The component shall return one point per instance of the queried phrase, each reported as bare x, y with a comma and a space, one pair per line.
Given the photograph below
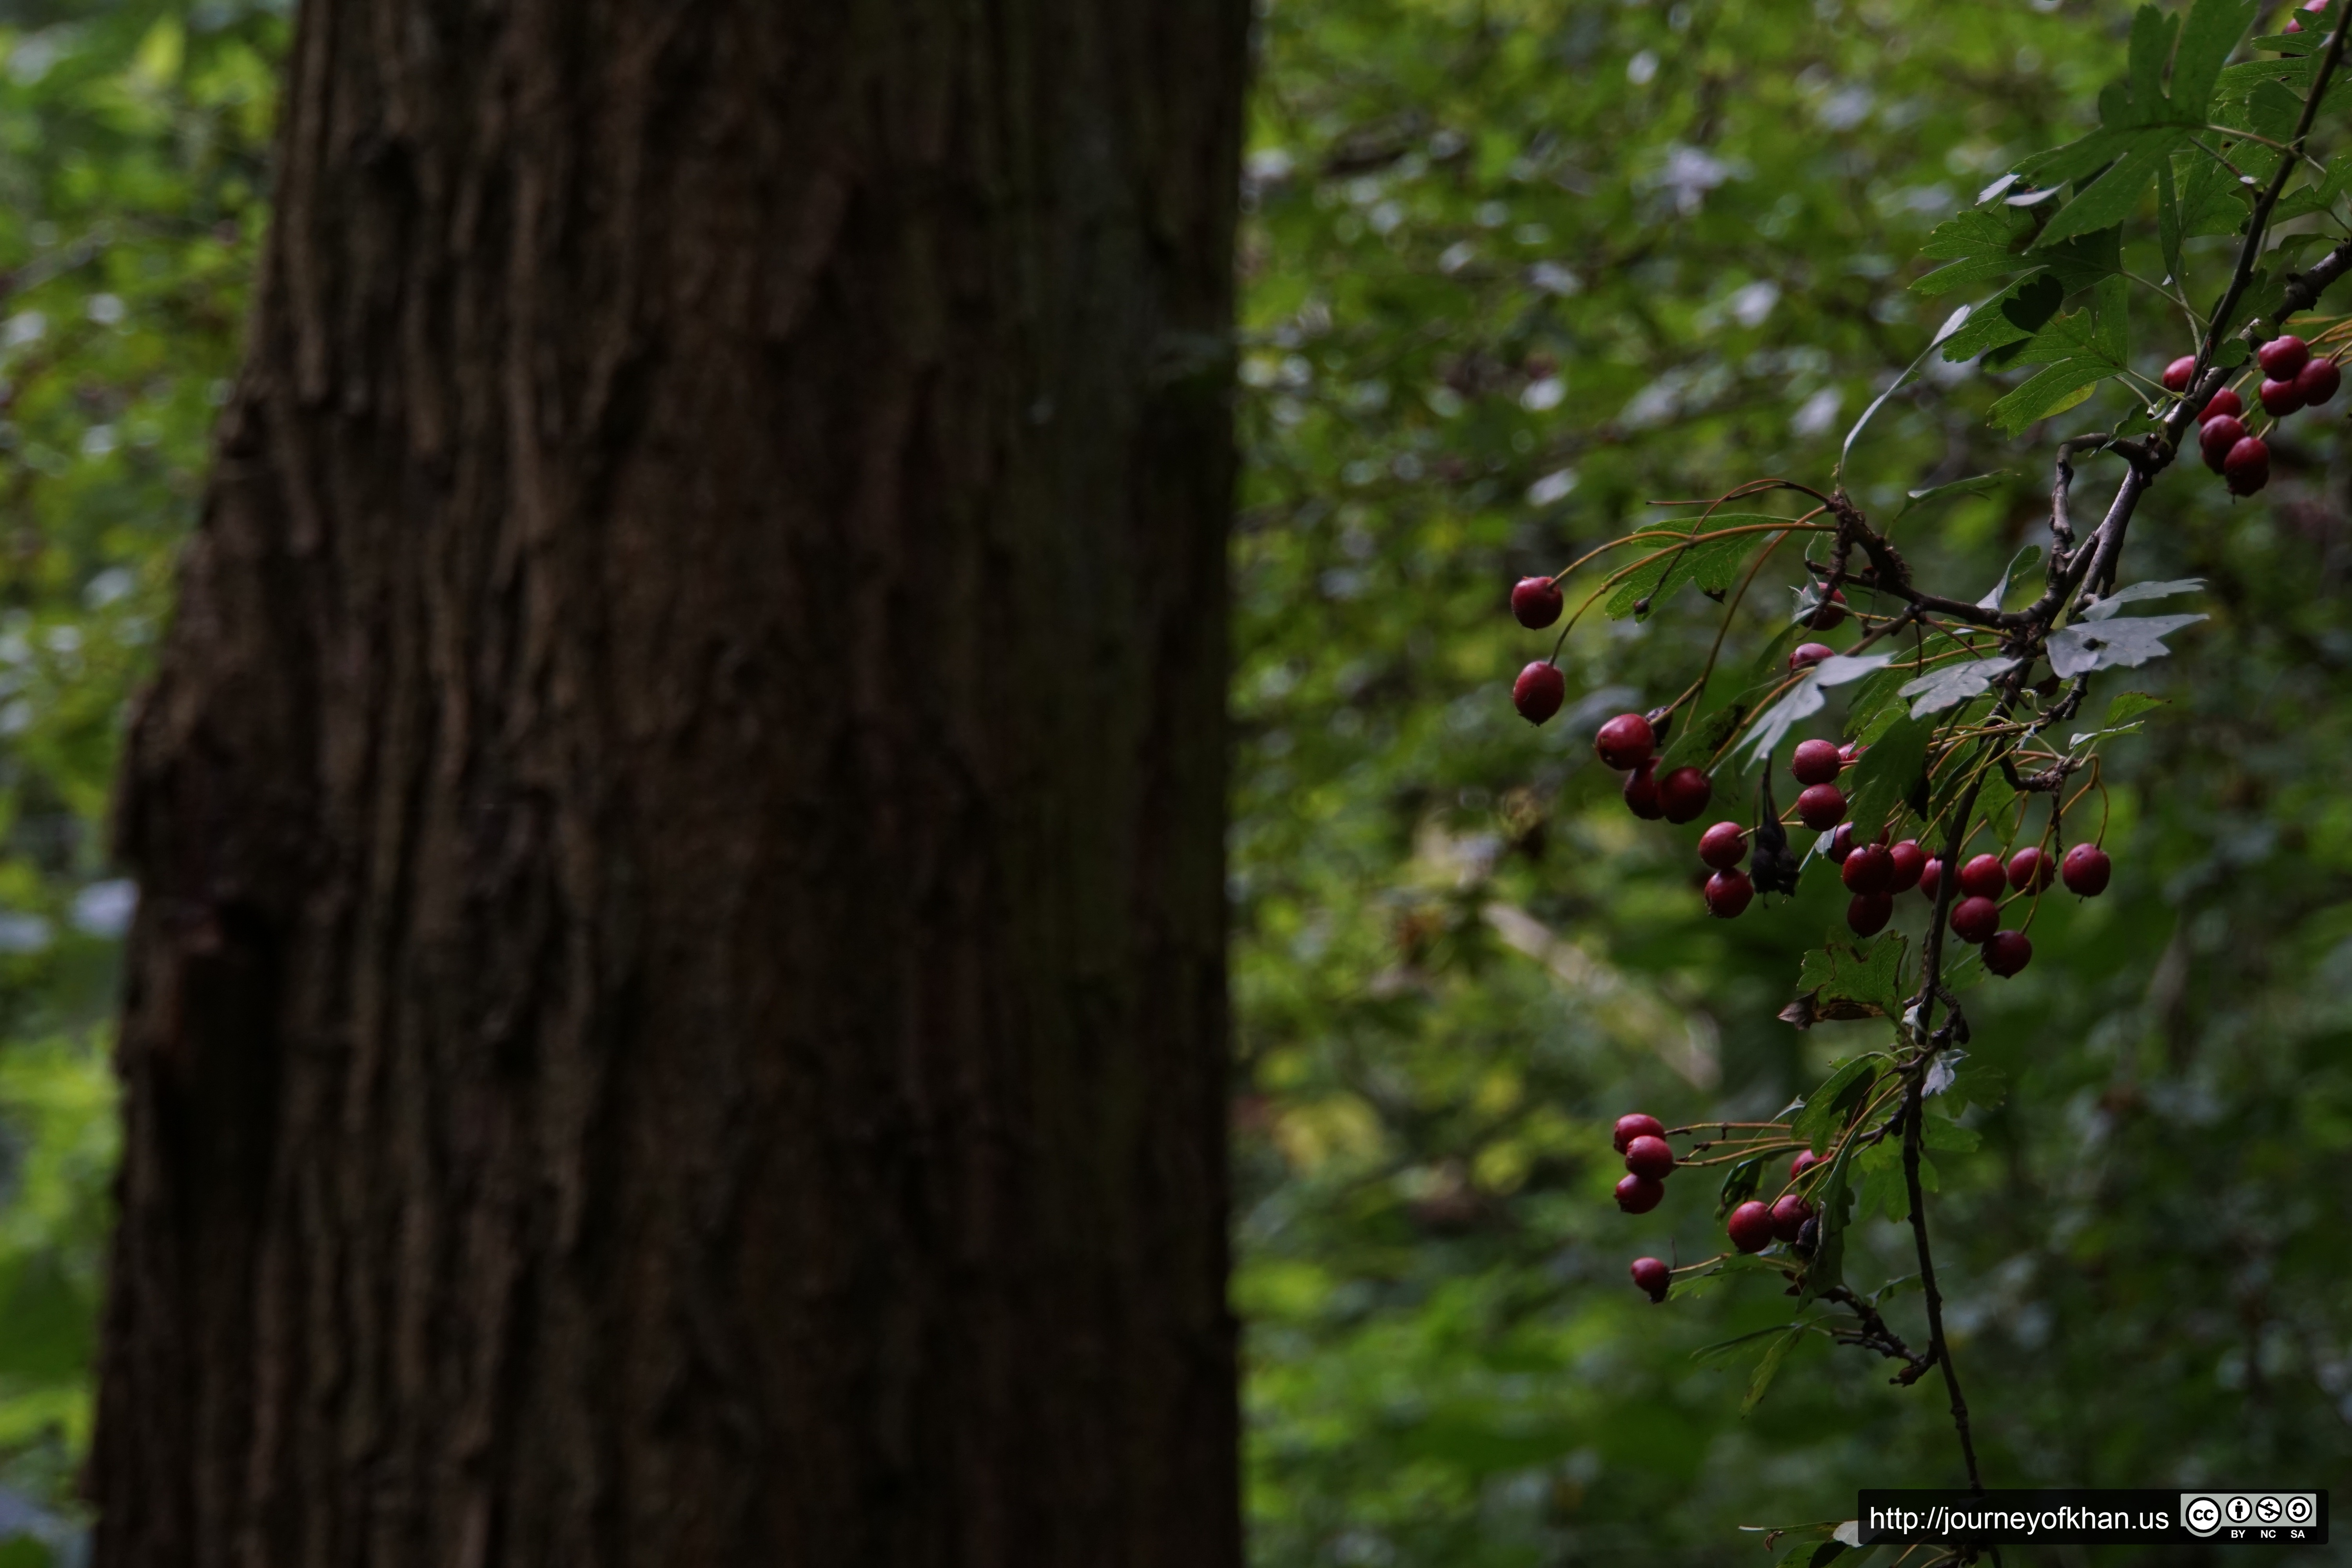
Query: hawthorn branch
1873, 1334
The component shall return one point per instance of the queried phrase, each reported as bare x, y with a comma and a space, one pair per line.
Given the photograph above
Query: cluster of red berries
1628, 743
1752, 1226
2292, 379
1649, 1160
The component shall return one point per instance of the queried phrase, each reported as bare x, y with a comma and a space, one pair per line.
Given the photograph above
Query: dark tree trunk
676, 1014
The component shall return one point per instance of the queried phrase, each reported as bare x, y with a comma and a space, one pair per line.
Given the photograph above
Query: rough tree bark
676, 1010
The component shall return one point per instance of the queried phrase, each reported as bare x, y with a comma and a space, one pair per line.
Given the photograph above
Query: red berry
1639, 1194
1822, 807
2216, 436
1816, 762
2006, 952
1684, 793
1789, 1214
1931, 876
1869, 869
2281, 399
1866, 914
1626, 742
1650, 1156
1636, 1124
1983, 877
1723, 846
2284, 357
1539, 691
2248, 467
1841, 843
2086, 870
2317, 381
1805, 1161
2224, 402
1536, 601
1828, 614
1641, 798
2176, 374
1750, 1227
1908, 862
1652, 1276
1804, 655
1975, 919
2030, 870
1728, 893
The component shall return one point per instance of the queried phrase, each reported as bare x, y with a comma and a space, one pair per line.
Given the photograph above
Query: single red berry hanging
1723, 846
2216, 436
1804, 655
1816, 762
1906, 862
1636, 1124
1975, 919
1931, 876
2248, 467
1536, 601
1822, 807
1639, 1194
1789, 1214
2030, 870
2086, 869
2284, 357
1869, 869
1805, 1161
1750, 1227
1983, 877
1651, 1278
1828, 614
2006, 952
1650, 1156
1866, 914
1539, 691
2281, 399
1728, 893
1841, 844
2176, 374
2318, 381
1626, 742
1641, 797
1684, 793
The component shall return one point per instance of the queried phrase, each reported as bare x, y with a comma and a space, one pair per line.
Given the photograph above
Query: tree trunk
676, 1014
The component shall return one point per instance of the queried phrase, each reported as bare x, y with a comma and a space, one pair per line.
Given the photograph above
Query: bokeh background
1513, 271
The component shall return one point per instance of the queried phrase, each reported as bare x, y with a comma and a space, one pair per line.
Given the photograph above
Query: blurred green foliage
133, 148
1516, 271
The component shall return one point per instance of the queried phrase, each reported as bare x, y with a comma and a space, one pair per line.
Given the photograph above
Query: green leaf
2168, 219
2052, 391
2272, 111
1832, 1199
1740, 1185
2212, 199
2013, 315
1886, 772
1828, 1106
2129, 705
1704, 736
2151, 44
1884, 1190
1942, 1132
1769, 1366
1974, 485
1872, 973
2078, 159
1723, 1349
1981, 231
2212, 31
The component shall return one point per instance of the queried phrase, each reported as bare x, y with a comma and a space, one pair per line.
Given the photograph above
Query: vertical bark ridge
676, 1013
